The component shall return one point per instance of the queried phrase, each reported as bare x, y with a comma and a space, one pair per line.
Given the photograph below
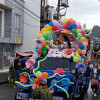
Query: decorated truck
58, 64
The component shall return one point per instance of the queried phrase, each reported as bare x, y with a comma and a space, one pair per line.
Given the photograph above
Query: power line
23, 11
35, 2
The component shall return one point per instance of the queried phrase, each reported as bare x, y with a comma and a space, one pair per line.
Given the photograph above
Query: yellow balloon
49, 28
78, 51
31, 57
78, 56
45, 29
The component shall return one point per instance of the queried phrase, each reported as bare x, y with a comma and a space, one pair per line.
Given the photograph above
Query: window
17, 23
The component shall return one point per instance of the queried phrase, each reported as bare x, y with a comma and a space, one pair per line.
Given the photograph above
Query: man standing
16, 69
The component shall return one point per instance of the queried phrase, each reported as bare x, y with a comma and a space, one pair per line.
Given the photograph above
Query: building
19, 24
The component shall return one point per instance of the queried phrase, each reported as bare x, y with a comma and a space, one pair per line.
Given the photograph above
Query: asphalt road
7, 92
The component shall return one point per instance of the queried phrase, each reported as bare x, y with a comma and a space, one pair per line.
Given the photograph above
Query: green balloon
40, 35
38, 73
74, 30
79, 35
75, 59
44, 53
65, 20
78, 31
49, 33
44, 48
85, 63
46, 38
83, 39
44, 33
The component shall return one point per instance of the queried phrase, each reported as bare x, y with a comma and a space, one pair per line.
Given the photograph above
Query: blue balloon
36, 49
35, 56
70, 27
75, 34
44, 81
39, 46
74, 25
82, 46
80, 60
51, 23
38, 41
84, 57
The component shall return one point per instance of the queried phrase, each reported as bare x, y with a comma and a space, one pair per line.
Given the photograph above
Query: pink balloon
46, 25
83, 52
83, 31
40, 78
79, 42
73, 22
42, 39
78, 26
85, 43
55, 23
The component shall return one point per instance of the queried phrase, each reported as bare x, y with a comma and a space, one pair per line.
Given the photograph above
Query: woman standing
94, 80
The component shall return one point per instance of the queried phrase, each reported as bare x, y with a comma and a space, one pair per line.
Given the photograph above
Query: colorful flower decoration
81, 68
30, 63
23, 78
59, 70
69, 52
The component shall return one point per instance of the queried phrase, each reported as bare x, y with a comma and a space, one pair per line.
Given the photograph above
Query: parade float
56, 71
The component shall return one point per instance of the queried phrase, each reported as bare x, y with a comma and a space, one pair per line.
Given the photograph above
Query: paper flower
23, 78
59, 70
36, 86
81, 68
68, 51
30, 63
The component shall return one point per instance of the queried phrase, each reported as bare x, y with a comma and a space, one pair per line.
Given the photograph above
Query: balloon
83, 39
78, 26
74, 30
40, 35
43, 44
44, 53
79, 42
78, 31
68, 23
36, 48
55, 23
42, 39
51, 23
84, 57
40, 78
74, 26
75, 34
83, 31
65, 26
78, 56
83, 52
54, 28
44, 81
78, 51
49, 28
39, 52
73, 22
46, 38
35, 56
45, 74
44, 33
82, 46
85, 43
46, 25
38, 73
68, 51
39, 46
79, 35
75, 59
70, 19
76, 47
44, 29
38, 41
65, 20
86, 40
49, 33
80, 60
44, 48
36, 81
70, 27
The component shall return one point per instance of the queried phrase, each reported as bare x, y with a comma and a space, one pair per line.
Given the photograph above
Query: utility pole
58, 10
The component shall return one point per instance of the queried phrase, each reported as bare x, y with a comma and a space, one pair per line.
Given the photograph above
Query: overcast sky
84, 11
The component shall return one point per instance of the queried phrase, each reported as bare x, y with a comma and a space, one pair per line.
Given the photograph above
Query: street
7, 92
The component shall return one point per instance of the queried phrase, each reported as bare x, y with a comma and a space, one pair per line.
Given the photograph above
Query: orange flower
23, 78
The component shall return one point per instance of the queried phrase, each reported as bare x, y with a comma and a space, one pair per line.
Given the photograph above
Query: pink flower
59, 70
30, 63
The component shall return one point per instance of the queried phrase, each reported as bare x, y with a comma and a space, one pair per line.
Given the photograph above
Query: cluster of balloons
41, 78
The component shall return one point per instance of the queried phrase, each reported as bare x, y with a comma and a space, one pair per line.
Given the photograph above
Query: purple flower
81, 68
30, 63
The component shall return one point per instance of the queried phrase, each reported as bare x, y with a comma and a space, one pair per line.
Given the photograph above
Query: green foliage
43, 93
11, 72
11, 68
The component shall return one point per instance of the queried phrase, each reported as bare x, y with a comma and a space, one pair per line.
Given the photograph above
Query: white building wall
2, 2
31, 25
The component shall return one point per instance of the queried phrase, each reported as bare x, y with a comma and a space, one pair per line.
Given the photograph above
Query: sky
84, 11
